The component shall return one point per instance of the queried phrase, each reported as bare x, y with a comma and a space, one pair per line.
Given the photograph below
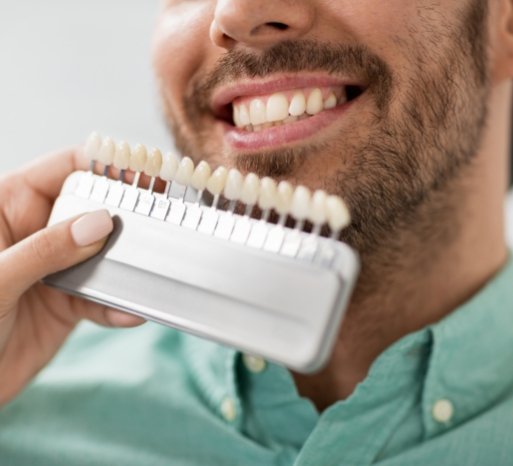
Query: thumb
53, 249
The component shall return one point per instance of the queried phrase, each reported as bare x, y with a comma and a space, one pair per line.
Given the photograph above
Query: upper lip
225, 95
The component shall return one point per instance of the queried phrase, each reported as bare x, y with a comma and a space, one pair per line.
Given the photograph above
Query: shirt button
443, 411
228, 409
254, 363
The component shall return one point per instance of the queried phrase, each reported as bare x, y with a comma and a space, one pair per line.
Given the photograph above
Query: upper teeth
284, 106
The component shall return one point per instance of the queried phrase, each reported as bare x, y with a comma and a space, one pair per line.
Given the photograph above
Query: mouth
282, 111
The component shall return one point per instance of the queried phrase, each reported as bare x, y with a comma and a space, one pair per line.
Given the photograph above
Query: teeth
92, 146
277, 108
314, 104
330, 102
284, 197
244, 118
185, 170
201, 175
257, 112
169, 167
122, 156
153, 163
318, 211
301, 200
217, 181
267, 195
233, 187
107, 151
250, 189
297, 104
338, 213
235, 116
138, 158
285, 107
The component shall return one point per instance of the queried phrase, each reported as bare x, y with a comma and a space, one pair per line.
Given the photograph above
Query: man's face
410, 80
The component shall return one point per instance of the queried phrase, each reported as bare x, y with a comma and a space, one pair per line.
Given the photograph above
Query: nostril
279, 26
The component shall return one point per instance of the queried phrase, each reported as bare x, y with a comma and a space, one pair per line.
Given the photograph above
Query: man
421, 373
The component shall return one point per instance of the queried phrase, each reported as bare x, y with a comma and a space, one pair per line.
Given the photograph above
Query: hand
35, 320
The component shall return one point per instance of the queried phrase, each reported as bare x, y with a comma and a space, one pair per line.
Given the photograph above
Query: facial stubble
409, 155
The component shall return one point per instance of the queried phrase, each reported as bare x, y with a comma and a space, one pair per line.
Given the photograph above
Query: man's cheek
180, 47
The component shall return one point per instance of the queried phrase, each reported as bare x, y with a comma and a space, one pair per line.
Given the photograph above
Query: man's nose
260, 23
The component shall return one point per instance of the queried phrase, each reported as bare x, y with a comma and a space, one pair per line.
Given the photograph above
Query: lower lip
284, 134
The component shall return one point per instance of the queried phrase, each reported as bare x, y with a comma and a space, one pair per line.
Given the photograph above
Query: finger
106, 316
53, 249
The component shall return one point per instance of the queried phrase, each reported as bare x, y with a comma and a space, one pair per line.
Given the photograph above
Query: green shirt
153, 396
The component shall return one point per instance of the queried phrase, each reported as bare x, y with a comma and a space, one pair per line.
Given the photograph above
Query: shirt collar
472, 350
467, 354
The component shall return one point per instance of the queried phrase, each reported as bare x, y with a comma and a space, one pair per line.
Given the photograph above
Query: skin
452, 202
424, 159
35, 320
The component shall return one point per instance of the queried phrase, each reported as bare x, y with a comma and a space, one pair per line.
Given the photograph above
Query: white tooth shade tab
277, 108
330, 102
122, 156
244, 118
138, 158
338, 213
92, 146
201, 175
318, 209
257, 112
297, 104
153, 163
301, 199
284, 195
185, 170
169, 167
250, 189
233, 187
267, 194
314, 104
107, 151
217, 181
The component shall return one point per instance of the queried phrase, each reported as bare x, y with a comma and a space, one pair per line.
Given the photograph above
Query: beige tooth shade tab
138, 158
169, 167
122, 156
267, 195
201, 175
301, 200
217, 181
250, 189
233, 187
185, 171
107, 151
92, 146
153, 163
318, 210
284, 197
338, 213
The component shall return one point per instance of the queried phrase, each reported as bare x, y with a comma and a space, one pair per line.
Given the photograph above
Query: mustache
354, 60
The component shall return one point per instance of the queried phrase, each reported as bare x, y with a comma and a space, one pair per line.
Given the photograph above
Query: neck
422, 274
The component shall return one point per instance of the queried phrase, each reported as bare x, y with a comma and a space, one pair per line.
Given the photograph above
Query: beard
424, 131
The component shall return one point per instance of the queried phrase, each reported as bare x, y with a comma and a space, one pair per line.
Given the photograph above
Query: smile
265, 115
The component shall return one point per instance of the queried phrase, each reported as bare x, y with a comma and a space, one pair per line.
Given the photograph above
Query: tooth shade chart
260, 112
319, 208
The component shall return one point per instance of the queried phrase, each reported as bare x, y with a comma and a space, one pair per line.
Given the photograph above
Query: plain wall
70, 67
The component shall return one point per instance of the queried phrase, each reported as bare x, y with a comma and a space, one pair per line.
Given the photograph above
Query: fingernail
92, 227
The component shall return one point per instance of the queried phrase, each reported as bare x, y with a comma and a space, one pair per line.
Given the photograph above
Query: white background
68, 67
